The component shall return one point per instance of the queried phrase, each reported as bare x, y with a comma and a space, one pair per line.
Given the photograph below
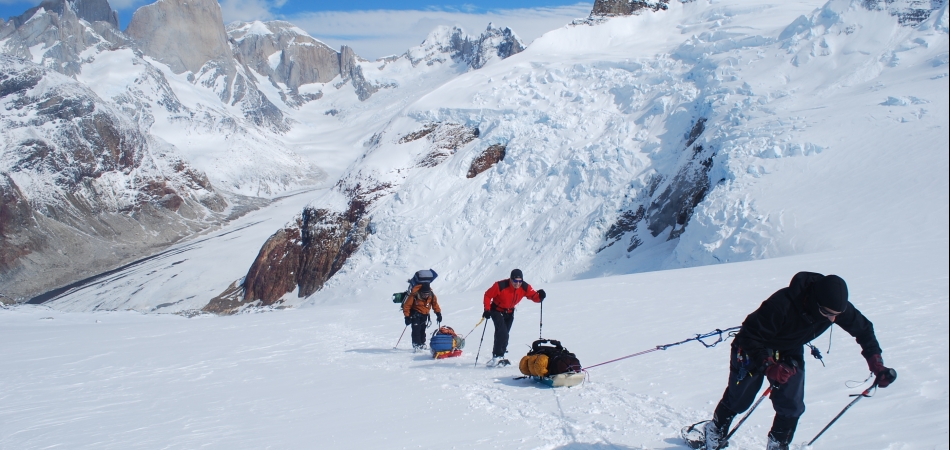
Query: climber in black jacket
771, 343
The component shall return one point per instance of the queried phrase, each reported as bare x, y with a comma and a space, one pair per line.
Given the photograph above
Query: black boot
783, 430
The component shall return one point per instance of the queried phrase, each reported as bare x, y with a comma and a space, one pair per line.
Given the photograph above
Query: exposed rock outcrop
908, 12
491, 156
305, 253
444, 140
627, 7
671, 207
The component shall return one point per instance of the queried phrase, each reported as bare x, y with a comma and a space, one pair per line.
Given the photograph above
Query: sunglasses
827, 312
517, 281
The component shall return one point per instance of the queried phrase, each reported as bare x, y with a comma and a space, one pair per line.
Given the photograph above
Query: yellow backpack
534, 365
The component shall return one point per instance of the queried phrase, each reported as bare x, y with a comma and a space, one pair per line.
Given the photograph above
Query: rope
729, 332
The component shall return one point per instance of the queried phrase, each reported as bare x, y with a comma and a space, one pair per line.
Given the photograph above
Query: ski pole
725, 441
400, 337
891, 374
541, 320
480, 343
473, 328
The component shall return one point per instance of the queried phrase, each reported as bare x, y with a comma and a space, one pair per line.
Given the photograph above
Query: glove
883, 375
541, 294
777, 372
407, 321
486, 314
438, 317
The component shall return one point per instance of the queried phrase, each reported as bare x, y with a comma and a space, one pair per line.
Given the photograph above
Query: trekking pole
480, 343
473, 328
400, 337
541, 320
725, 441
891, 374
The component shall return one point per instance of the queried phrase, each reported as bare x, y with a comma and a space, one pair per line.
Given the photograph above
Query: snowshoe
694, 436
497, 361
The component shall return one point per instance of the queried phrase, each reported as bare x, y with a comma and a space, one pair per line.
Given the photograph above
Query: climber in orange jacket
416, 313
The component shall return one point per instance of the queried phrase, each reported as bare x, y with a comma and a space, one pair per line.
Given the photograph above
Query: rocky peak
88, 10
57, 32
184, 34
284, 53
453, 43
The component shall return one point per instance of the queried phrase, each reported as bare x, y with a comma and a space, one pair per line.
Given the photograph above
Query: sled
567, 379
447, 354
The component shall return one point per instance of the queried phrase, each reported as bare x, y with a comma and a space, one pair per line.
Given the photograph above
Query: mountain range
649, 135
117, 143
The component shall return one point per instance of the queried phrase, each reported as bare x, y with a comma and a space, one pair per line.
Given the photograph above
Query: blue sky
375, 28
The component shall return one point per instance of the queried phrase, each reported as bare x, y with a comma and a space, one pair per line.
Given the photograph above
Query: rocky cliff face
669, 202
189, 36
305, 253
76, 174
56, 33
185, 35
284, 53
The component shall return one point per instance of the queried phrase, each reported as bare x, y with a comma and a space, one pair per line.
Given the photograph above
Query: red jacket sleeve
532, 295
490, 294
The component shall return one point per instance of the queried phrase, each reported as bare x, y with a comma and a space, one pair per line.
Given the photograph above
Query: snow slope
327, 377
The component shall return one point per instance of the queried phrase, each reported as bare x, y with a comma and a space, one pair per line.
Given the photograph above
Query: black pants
502, 322
419, 323
788, 400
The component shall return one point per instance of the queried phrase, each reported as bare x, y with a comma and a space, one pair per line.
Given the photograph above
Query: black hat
516, 275
831, 292
425, 289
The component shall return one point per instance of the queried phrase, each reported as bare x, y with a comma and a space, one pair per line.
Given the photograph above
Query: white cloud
248, 10
373, 34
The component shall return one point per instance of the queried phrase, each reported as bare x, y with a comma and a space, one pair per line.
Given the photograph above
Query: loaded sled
445, 343
551, 364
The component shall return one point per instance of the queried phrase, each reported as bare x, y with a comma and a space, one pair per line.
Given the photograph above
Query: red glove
778, 373
883, 375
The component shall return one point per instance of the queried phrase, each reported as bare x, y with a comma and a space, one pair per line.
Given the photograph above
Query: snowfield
828, 132
328, 376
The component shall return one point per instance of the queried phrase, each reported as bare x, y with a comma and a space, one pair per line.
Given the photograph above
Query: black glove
486, 314
541, 294
438, 317
883, 376
407, 321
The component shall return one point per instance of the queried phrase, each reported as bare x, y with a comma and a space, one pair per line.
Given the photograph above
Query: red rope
624, 357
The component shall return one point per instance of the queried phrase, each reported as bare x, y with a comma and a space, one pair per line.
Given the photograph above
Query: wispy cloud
373, 34
248, 10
